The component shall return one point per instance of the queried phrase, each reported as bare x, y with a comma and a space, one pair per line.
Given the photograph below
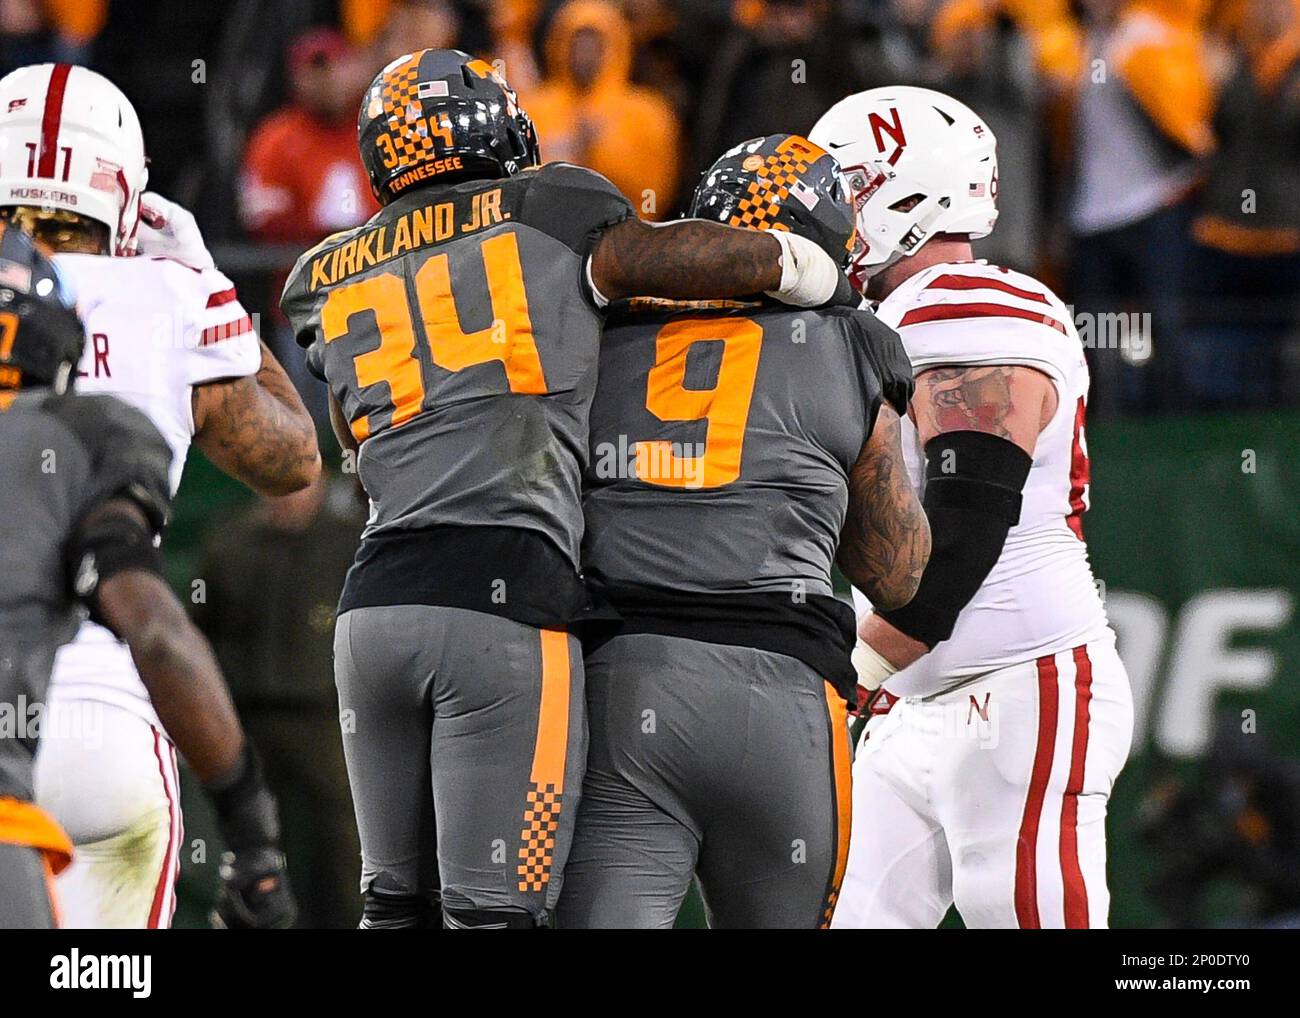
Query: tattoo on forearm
691, 260
967, 399
257, 429
885, 543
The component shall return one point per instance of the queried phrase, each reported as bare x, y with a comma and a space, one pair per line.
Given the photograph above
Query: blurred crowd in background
1149, 158
1150, 149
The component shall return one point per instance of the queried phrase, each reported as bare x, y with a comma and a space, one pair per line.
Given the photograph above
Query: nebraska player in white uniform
1001, 711
169, 335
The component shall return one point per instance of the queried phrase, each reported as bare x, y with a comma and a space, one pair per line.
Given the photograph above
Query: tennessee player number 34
396, 361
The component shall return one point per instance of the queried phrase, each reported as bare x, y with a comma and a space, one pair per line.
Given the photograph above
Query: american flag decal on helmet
977, 190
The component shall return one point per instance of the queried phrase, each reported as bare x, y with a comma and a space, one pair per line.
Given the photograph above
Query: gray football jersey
60, 456
721, 441
457, 333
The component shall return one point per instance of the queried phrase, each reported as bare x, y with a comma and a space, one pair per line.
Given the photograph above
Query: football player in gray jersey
735, 447
84, 498
458, 332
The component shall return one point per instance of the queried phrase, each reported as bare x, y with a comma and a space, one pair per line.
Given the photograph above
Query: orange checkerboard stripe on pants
545, 797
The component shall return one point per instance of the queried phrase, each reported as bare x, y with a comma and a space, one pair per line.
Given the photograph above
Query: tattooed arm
688, 260
1012, 402
1009, 401
257, 430
885, 542
696, 260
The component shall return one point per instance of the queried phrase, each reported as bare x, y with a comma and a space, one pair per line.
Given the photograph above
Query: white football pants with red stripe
110, 779
991, 796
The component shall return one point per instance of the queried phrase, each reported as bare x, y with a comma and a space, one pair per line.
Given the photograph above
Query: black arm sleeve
128, 497
973, 485
111, 542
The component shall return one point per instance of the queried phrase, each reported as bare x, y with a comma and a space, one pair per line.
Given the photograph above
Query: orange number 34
725, 406
509, 339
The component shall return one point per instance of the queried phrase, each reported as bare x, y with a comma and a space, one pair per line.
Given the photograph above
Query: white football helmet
70, 140
917, 163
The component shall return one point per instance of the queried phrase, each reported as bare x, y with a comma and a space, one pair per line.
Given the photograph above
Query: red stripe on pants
1076, 891
1027, 844
164, 884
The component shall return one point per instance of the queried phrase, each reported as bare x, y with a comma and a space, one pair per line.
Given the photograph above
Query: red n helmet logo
893, 127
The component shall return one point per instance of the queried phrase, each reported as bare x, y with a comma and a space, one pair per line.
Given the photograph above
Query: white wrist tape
872, 669
808, 275
601, 300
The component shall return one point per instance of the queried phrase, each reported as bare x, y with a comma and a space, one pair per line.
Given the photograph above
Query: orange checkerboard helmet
439, 116
779, 182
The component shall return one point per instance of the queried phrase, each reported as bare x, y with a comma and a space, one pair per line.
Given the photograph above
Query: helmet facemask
59, 229
893, 219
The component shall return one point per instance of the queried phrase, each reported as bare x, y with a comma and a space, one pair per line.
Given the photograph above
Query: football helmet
70, 142
438, 116
916, 163
41, 336
779, 182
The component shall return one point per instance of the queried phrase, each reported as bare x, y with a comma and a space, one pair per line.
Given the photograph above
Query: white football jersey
155, 328
1040, 598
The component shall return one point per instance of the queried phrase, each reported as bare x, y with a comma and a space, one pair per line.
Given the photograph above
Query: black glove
885, 352
254, 891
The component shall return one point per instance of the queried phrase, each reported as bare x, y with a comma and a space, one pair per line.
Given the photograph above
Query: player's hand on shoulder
809, 276
171, 231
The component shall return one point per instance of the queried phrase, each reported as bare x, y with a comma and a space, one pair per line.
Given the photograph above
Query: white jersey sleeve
156, 328
982, 314
219, 340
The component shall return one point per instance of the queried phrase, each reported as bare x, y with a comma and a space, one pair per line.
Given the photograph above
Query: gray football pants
25, 883
474, 726
724, 762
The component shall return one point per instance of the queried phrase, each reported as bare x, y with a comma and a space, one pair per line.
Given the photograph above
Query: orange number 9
725, 406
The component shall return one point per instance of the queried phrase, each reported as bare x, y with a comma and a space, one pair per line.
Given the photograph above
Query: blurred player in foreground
458, 332
734, 445
168, 335
1003, 713
86, 493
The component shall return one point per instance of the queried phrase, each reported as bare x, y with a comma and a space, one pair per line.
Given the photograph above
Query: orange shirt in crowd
1157, 48
627, 133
